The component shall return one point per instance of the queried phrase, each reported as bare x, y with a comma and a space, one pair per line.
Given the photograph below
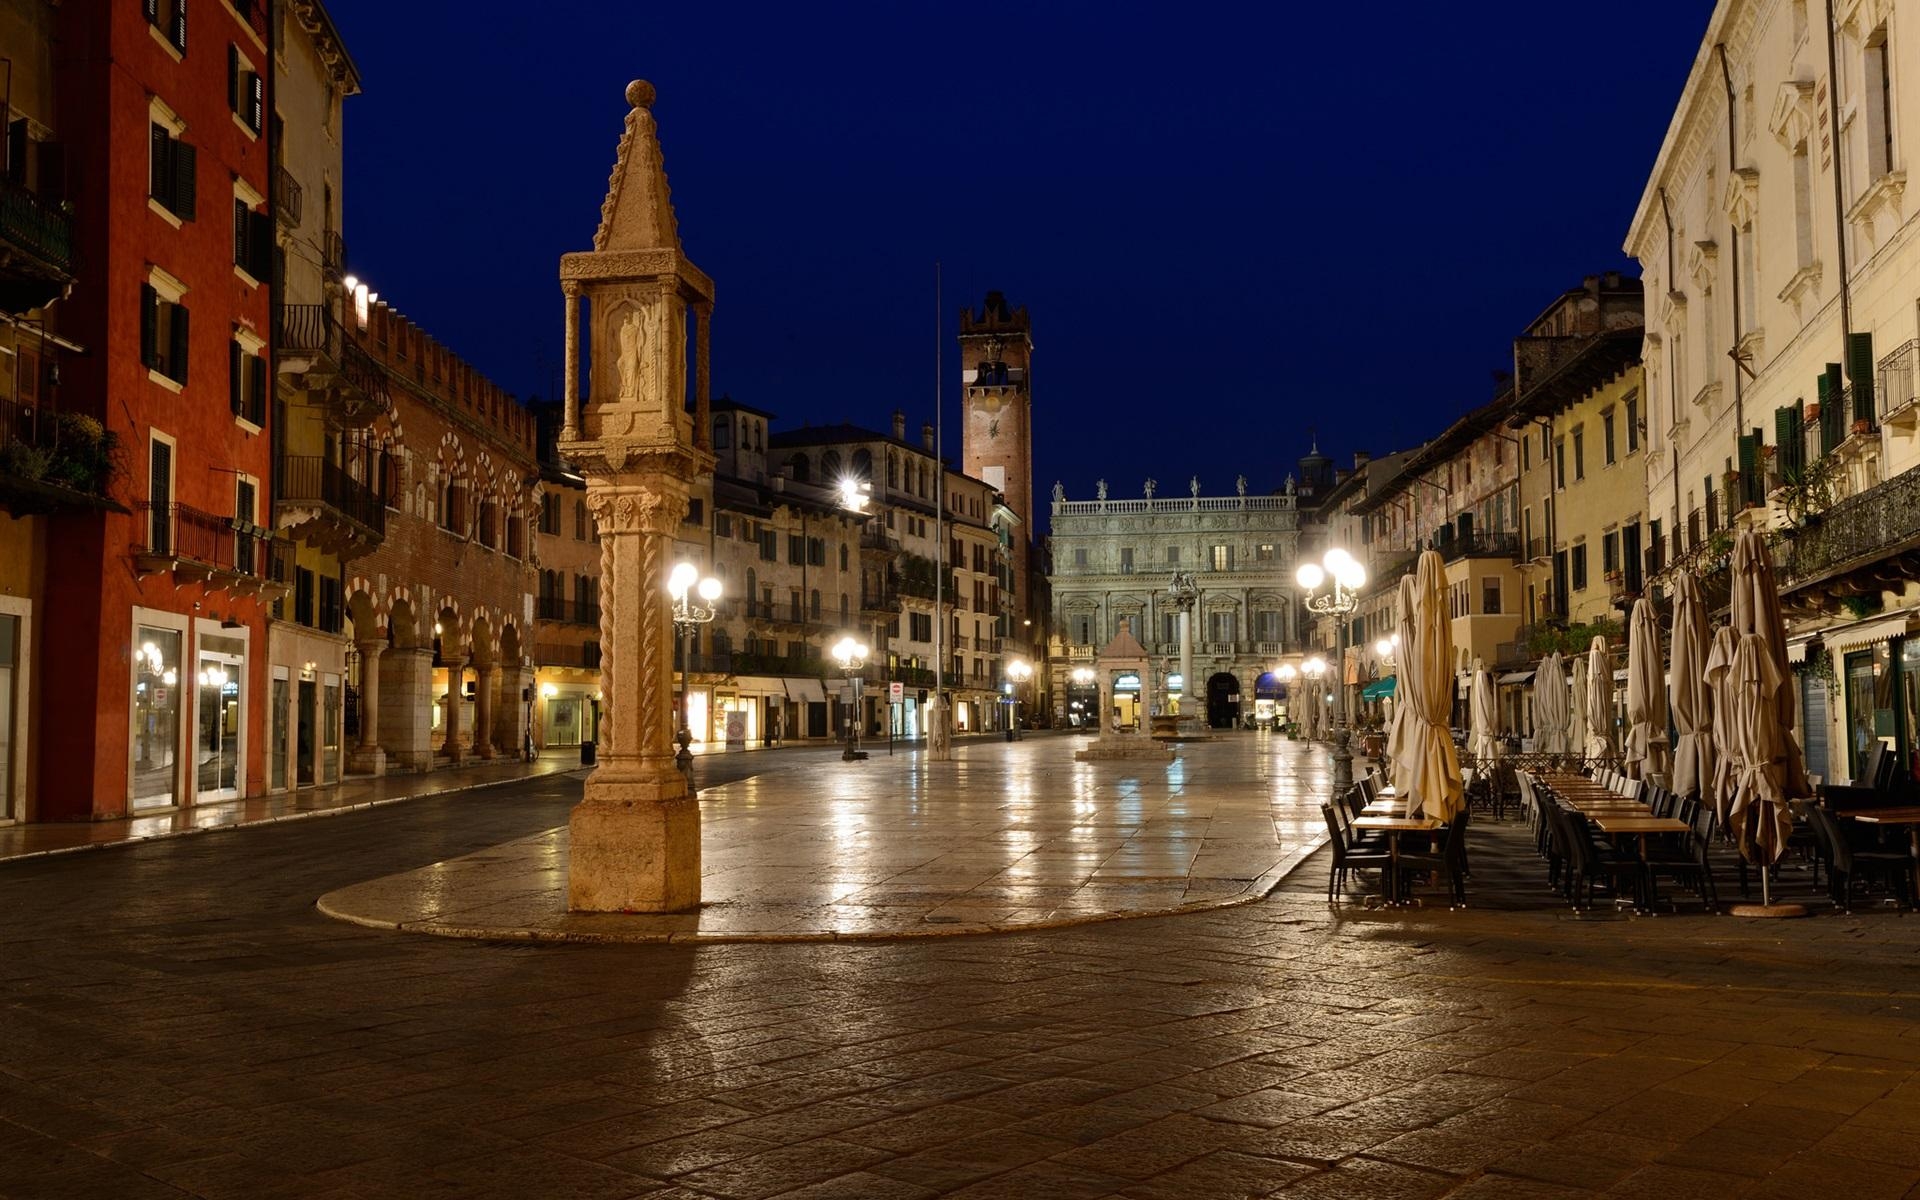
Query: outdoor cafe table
1910, 817
1619, 824
1393, 827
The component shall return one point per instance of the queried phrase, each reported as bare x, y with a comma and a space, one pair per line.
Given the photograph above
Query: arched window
579, 520
830, 467
843, 556
863, 464
893, 471
722, 432
753, 592
799, 466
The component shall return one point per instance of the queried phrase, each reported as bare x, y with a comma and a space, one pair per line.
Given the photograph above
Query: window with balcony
163, 333
170, 175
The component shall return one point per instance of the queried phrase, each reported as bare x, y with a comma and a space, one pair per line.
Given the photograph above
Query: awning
1867, 633
1797, 650
806, 689
1513, 677
1379, 689
760, 683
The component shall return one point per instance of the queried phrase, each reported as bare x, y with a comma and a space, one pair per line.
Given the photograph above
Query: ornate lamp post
1347, 576
687, 617
1018, 672
851, 655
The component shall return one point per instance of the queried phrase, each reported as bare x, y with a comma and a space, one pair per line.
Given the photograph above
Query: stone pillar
485, 678
570, 411
406, 707
1186, 661
510, 713
368, 758
456, 678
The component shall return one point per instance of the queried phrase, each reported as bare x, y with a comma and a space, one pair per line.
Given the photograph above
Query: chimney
899, 426
1360, 459
926, 435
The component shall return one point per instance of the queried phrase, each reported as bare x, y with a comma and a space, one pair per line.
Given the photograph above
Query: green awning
1379, 689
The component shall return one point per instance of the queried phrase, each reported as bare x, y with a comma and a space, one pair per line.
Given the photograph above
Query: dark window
247, 384
696, 512
1579, 451
171, 173
1580, 567
1610, 553
796, 549
1632, 407
817, 552
1606, 432
550, 514
252, 241
331, 610
163, 334
170, 18
769, 546
579, 520
303, 592
245, 90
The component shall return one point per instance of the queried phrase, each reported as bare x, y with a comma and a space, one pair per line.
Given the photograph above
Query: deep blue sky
1230, 223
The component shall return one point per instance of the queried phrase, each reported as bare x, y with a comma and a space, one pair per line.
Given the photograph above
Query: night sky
1231, 226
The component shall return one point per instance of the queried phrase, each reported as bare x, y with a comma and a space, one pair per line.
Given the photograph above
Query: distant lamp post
683, 585
1018, 672
1083, 679
1287, 673
1315, 669
1347, 576
852, 656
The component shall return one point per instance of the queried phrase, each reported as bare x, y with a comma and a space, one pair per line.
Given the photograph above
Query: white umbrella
1692, 698
1433, 782
1550, 713
1758, 812
1485, 722
1579, 694
1396, 724
1646, 749
1599, 730
1756, 610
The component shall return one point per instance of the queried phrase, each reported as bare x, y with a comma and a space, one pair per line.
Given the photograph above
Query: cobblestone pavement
176, 1019
1007, 836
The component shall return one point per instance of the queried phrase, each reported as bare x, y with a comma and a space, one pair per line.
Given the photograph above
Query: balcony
36, 249
1479, 545
1861, 546
571, 612
875, 538
288, 197
322, 505
1900, 387
199, 547
53, 462
314, 351
583, 656
913, 677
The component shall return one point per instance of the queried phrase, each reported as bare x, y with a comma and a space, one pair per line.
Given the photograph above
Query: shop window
154, 744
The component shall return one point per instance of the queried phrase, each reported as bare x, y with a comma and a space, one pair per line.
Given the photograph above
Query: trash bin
586, 754
1009, 733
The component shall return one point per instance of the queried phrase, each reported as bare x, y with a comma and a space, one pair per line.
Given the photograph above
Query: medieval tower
996, 354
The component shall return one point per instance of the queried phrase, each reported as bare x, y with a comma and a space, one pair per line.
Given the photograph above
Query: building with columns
1113, 559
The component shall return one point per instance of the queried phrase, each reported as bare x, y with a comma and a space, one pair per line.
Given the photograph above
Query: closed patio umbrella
1550, 713
1577, 696
1396, 722
1646, 748
1433, 783
1718, 788
1484, 722
1599, 730
1758, 813
1756, 610
1693, 751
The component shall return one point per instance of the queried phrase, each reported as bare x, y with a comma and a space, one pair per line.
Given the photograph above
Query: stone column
368, 758
456, 677
510, 714
406, 707
483, 709
1186, 661
570, 410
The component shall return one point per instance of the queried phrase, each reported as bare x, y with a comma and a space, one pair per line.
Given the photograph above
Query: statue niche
630, 388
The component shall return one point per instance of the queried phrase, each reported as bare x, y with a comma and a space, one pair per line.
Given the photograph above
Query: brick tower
996, 445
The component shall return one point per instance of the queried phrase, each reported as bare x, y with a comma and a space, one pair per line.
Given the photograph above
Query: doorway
1223, 701
217, 746
303, 739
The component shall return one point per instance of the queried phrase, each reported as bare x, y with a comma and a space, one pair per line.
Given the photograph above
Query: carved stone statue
1193, 487
1100, 489
1289, 483
1240, 485
633, 351
1151, 484
1059, 492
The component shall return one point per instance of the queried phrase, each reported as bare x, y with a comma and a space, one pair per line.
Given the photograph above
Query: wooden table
1641, 823
1393, 827
1385, 808
1910, 817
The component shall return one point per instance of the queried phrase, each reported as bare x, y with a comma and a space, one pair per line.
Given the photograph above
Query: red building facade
156, 615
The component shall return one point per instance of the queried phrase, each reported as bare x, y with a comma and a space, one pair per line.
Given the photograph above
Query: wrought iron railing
1478, 545
180, 531
36, 226
313, 479
1899, 378
584, 655
1855, 530
288, 197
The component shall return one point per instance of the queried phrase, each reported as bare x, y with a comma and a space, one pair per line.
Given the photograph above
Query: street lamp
1018, 672
1347, 576
851, 655
687, 617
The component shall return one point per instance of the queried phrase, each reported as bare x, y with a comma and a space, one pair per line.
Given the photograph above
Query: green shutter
1860, 371
1833, 418
1789, 433
1750, 488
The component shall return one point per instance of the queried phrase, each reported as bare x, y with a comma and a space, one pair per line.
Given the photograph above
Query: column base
635, 847
367, 761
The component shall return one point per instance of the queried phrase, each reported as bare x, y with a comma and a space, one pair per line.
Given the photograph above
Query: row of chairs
1579, 862
1355, 849
1849, 866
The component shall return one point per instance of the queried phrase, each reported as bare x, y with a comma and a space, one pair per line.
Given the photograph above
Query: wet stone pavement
177, 1020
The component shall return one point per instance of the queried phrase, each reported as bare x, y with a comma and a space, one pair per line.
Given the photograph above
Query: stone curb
282, 818
1258, 889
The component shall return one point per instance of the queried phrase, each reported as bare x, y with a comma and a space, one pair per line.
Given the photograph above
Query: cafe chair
1345, 860
1452, 860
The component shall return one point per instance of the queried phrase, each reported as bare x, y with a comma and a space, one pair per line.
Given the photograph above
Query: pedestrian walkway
1006, 836
62, 837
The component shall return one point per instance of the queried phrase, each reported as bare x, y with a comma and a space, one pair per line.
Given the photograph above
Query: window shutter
180, 25
257, 389
241, 238
185, 159
1833, 424
236, 377
1860, 371
260, 227
177, 352
153, 12
27, 369
160, 166
149, 325
256, 101
1789, 433
233, 77
1749, 468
